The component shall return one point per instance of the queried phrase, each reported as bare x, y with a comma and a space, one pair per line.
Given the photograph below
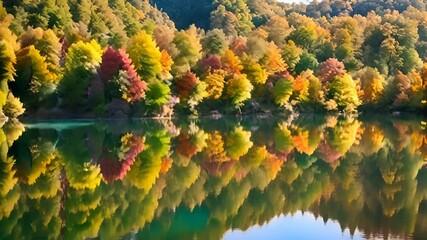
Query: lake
312, 177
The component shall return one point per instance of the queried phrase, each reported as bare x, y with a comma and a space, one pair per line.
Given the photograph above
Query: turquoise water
313, 177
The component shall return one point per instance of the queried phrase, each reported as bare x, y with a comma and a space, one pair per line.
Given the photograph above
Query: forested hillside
116, 58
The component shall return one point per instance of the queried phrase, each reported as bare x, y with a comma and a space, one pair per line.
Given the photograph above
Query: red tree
330, 69
185, 84
130, 84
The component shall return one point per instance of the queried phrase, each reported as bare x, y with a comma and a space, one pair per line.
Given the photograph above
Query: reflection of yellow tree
126, 208
9, 192
147, 166
372, 140
83, 214
44, 200
48, 184
398, 171
260, 207
83, 176
237, 143
196, 194
41, 156
227, 204
47, 224
343, 136
261, 176
254, 157
306, 189
217, 162
282, 138
178, 181
215, 148
306, 140
416, 142
349, 189
13, 130
339, 139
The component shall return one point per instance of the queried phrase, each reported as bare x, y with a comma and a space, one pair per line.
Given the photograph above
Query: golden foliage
231, 63
272, 60
238, 89
215, 82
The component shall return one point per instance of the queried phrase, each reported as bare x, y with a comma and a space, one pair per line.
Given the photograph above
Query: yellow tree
231, 63
145, 55
343, 92
238, 90
7, 70
215, 84
301, 88
255, 72
272, 60
371, 83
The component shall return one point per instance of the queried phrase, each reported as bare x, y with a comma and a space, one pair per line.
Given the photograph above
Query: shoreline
362, 115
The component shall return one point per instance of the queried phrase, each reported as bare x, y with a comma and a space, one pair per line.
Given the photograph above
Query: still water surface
315, 177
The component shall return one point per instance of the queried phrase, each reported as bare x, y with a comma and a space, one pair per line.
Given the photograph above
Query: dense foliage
121, 58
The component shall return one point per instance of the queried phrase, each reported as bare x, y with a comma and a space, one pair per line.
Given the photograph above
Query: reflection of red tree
241, 173
327, 153
166, 165
273, 164
217, 168
185, 147
115, 166
280, 155
401, 139
111, 64
185, 84
329, 69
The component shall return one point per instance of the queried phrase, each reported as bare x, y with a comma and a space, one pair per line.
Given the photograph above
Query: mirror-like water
314, 177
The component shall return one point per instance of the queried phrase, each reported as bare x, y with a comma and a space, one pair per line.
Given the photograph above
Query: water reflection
200, 178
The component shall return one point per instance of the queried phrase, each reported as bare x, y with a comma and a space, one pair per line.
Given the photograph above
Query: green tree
157, 94
254, 71
34, 81
186, 50
344, 93
307, 61
282, 91
214, 42
82, 60
291, 53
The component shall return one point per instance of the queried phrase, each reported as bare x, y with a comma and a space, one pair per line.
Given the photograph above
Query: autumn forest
213, 119
117, 58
